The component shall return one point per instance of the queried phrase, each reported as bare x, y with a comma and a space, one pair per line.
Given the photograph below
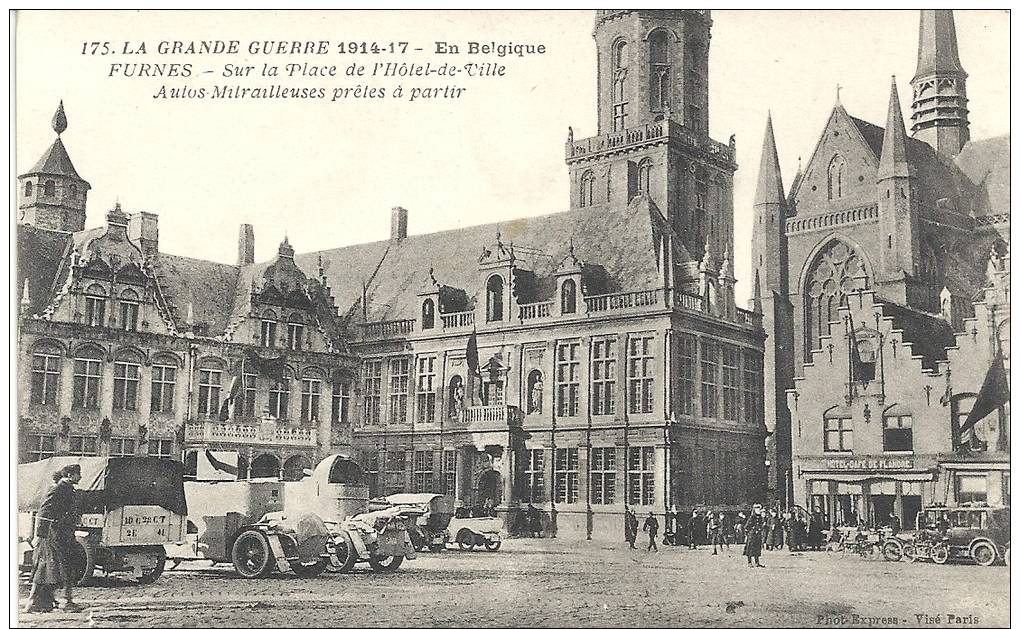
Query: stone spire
770, 179
940, 86
754, 305
894, 144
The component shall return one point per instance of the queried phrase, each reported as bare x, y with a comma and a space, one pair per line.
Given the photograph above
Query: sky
325, 174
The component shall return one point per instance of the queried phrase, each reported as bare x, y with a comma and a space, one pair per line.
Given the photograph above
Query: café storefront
866, 490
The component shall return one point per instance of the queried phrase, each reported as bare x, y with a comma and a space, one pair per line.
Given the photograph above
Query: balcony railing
748, 317
539, 310
623, 301
493, 415
265, 433
397, 327
647, 132
458, 319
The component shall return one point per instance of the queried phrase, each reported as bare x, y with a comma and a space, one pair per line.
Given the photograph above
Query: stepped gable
208, 286
40, 256
620, 240
928, 335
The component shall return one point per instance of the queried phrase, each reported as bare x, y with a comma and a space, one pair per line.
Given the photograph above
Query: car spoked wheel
892, 551
492, 545
251, 555
345, 553
159, 562
983, 553
940, 554
388, 563
465, 539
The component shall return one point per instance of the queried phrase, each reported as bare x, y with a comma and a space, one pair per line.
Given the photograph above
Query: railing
749, 317
398, 327
539, 310
688, 301
623, 301
493, 415
458, 319
263, 433
647, 132
832, 219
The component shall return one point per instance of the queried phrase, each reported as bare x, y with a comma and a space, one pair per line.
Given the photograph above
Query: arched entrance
294, 468
265, 466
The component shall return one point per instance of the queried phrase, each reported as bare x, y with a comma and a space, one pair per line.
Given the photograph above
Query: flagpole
881, 352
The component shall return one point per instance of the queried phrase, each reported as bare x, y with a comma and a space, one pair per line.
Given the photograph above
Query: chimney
143, 229
246, 245
398, 223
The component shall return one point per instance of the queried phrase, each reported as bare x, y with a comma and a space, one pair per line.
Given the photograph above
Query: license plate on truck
147, 524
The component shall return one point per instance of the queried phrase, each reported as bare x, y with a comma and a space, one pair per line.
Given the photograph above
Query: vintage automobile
130, 507
431, 529
470, 531
306, 526
979, 534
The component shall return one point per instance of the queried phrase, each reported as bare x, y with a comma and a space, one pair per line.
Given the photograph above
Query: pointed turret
768, 244
52, 194
754, 304
894, 144
770, 180
940, 86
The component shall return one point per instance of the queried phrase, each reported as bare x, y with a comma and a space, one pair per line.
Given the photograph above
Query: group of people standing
709, 527
796, 530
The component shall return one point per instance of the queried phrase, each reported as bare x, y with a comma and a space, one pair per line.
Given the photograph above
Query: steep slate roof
40, 256
208, 286
986, 164
55, 161
619, 239
873, 134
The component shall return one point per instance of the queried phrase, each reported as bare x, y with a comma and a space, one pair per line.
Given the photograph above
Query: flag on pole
472, 353
994, 393
236, 384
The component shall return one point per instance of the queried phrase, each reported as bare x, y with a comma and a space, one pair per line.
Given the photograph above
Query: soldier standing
652, 527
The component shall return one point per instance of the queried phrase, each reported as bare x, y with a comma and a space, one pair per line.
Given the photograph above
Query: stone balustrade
263, 433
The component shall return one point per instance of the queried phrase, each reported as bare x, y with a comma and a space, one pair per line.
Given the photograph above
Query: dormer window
428, 314
568, 297
95, 305
494, 299
295, 333
129, 305
268, 331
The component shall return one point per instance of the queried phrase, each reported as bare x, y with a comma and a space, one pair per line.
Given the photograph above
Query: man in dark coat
55, 544
630, 527
692, 530
817, 524
754, 531
652, 527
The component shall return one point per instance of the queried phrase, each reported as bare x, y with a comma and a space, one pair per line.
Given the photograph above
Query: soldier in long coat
55, 544
755, 530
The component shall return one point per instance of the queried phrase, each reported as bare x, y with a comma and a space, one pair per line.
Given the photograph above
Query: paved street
554, 583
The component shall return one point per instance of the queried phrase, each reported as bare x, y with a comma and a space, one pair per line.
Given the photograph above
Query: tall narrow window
396, 464
295, 334
730, 381
688, 353
209, 389
45, 375
494, 299
837, 177
87, 378
399, 381
566, 475
129, 305
95, 305
700, 213
28, 188
448, 480
568, 297
534, 476
311, 391
603, 376
341, 402
49, 188
268, 336
603, 476
587, 189
428, 314
754, 411
644, 182
426, 389
249, 387
372, 401
709, 378
164, 381
279, 398
125, 386
640, 377
424, 478
568, 374
658, 71
619, 86
641, 475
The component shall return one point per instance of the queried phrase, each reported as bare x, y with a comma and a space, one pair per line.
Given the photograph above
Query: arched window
295, 332
49, 188
95, 305
28, 188
535, 388
268, 330
897, 429
644, 176
494, 299
129, 305
837, 177
587, 189
838, 430
428, 314
829, 278
658, 71
619, 88
1002, 338
568, 297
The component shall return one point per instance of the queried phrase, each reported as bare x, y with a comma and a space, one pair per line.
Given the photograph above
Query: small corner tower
940, 86
768, 242
51, 194
897, 214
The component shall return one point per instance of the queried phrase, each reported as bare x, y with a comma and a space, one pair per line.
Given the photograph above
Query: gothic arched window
587, 189
28, 188
568, 297
829, 278
644, 176
428, 314
658, 71
494, 299
837, 177
49, 188
619, 92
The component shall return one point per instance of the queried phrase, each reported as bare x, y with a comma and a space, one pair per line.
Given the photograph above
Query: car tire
892, 550
389, 563
251, 555
346, 554
940, 554
492, 545
983, 552
83, 561
466, 539
152, 575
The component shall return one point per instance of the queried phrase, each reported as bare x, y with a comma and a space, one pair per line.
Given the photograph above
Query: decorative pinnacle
59, 122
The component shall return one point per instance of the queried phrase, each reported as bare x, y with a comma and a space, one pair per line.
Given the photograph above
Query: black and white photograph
515, 318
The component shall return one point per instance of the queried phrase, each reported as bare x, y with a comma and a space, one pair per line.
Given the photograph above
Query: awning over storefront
839, 477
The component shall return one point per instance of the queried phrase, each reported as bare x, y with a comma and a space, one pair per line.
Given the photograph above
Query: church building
884, 273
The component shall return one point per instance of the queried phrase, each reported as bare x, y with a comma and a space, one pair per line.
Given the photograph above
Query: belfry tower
940, 86
52, 194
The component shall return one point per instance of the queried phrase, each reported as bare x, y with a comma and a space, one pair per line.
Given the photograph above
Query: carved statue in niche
535, 388
456, 404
